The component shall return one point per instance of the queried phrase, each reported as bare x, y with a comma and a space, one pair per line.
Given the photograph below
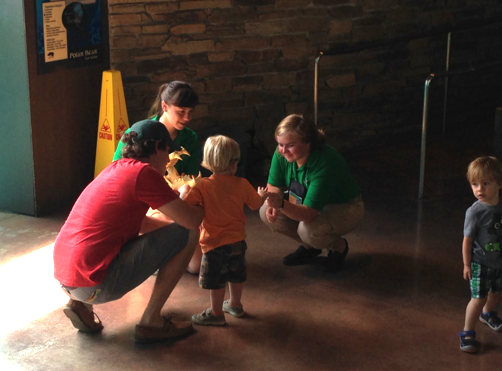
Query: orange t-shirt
223, 198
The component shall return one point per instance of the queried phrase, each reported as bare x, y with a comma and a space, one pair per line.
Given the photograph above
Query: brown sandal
81, 318
171, 330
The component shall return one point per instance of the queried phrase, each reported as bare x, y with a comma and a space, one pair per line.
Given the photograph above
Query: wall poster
69, 34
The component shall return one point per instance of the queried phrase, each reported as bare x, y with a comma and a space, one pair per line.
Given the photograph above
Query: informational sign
69, 34
55, 36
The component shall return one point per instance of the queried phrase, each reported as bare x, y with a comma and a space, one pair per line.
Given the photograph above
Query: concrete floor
397, 305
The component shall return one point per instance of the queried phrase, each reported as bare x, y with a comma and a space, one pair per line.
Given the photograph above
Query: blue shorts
224, 264
484, 279
138, 259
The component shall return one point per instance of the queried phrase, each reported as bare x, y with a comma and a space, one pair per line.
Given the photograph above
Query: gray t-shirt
483, 223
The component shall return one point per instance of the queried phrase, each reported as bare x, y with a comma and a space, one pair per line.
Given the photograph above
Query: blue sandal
492, 320
468, 341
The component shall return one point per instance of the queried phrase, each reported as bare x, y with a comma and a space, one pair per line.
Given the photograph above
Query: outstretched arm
300, 213
153, 220
263, 192
182, 213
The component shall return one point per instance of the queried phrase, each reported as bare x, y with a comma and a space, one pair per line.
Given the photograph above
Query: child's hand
467, 272
263, 191
184, 190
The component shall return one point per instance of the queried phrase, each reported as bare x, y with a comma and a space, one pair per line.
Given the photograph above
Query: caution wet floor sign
113, 121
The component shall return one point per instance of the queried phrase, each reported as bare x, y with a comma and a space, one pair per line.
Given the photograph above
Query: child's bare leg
217, 297
492, 302
472, 313
235, 294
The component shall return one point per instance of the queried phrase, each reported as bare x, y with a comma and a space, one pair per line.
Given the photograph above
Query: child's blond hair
219, 153
485, 167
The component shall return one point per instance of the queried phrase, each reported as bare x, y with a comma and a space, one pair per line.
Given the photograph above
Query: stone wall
252, 62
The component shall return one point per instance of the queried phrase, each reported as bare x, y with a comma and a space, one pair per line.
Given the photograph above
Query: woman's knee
263, 213
318, 235
304, 232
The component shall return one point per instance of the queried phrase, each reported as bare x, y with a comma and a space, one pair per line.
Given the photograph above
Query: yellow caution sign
113, 121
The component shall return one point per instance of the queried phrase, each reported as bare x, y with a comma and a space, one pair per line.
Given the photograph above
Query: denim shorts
138, 259
484, 279
224, 264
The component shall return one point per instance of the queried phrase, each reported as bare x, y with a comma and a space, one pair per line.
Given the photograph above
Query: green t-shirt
188, 139
325, 175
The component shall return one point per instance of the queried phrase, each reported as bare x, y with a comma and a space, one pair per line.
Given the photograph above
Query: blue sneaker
492, 320
468, 341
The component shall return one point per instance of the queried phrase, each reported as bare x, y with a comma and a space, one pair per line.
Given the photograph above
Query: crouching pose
323, 201
99, 255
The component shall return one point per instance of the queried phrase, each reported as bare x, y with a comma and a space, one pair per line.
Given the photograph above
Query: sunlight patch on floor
29, 290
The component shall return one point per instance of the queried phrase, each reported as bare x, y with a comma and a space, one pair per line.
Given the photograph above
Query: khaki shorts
334, 221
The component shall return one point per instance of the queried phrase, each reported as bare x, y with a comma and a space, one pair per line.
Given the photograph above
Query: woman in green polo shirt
323, 201
174, 107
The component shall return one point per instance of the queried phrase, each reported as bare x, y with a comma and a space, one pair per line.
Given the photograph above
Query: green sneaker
207, 318
234, 311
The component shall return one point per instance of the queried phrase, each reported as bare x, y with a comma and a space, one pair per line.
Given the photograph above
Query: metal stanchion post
424, 135
446, 82
316, 75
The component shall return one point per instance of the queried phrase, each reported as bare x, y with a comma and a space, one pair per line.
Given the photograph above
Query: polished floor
398, 304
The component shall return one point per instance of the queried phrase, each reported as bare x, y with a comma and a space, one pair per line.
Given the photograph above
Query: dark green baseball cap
154, 130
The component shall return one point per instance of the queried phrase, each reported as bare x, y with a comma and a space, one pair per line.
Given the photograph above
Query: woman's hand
275, 200
271, 214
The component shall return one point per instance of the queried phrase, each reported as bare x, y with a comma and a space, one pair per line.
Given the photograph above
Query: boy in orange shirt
223, 196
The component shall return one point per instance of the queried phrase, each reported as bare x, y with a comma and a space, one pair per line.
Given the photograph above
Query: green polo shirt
325, 175
188, 139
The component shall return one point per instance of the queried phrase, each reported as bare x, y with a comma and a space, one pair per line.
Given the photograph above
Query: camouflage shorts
484, 279
224, 264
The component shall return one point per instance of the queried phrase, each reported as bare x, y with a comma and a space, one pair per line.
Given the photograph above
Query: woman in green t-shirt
323, 201
174, 107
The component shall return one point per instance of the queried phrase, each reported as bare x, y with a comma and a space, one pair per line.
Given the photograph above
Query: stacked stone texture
252, 62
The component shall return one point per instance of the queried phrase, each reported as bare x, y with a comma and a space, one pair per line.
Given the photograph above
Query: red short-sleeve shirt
108, 213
